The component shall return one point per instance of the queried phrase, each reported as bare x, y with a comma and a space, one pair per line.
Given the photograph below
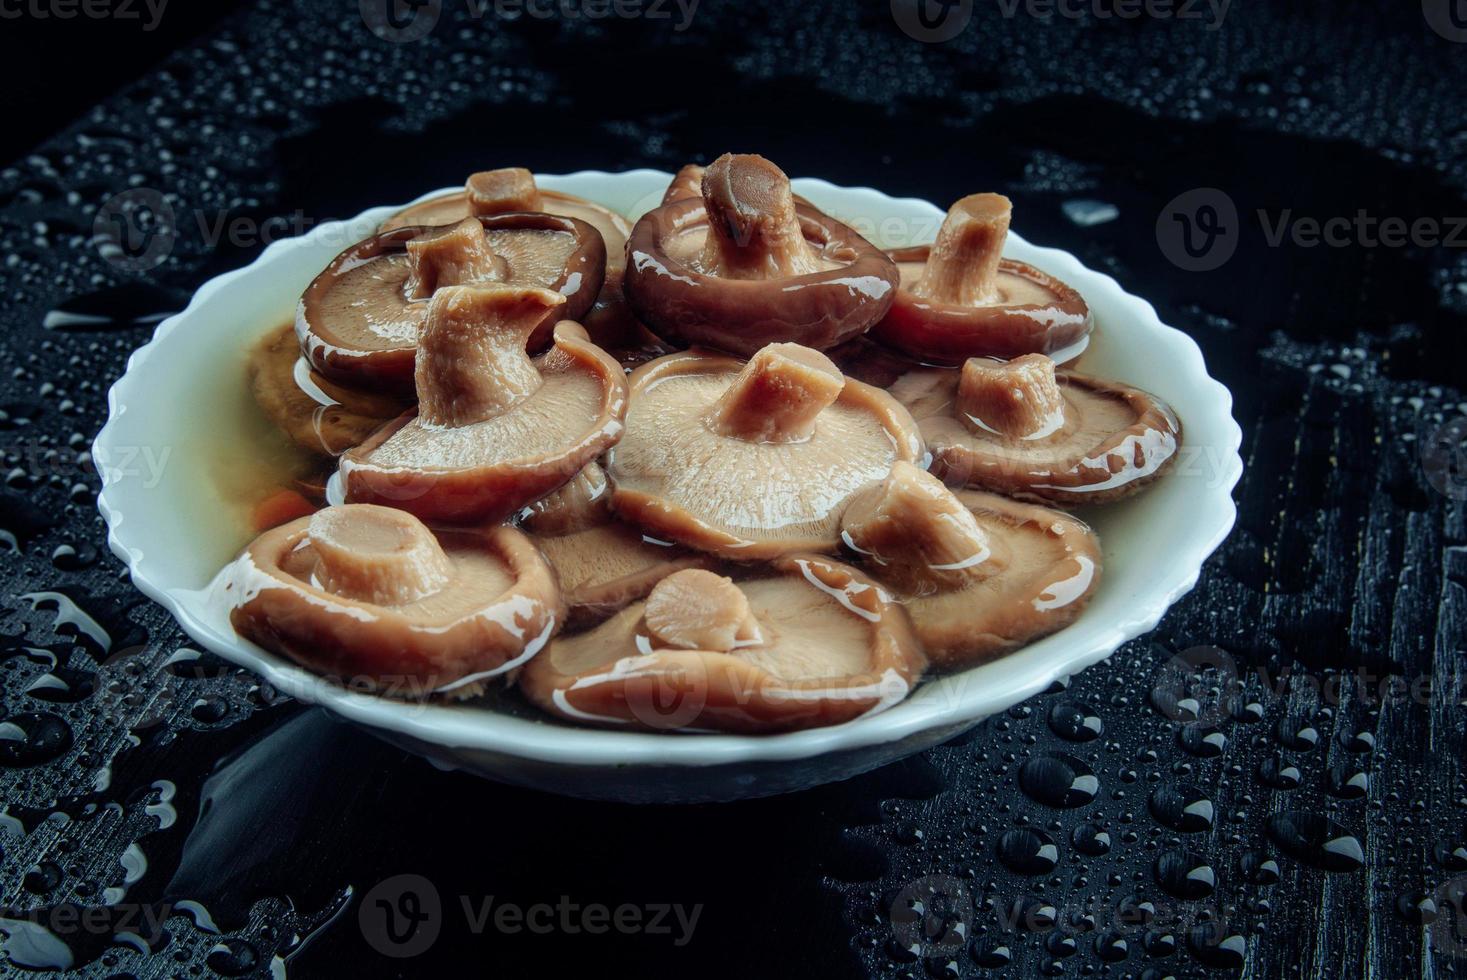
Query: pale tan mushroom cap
582, 504
603, 563
813, 643
514, 189
677, 476
558, 413
495, 429
979, 573
919, 534
752, 231
1010, 286
369, 306
1021, 429
314, 412
369, 593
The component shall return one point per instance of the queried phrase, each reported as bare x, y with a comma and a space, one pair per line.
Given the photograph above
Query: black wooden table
1268, 783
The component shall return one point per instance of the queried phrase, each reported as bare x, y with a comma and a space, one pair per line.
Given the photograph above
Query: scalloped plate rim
555, 743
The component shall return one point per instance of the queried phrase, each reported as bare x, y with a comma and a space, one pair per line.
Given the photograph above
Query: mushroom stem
754, 232
377, 554
777, 396
471, 360
914, 524
582, 503
1016, 399
962, 267
687, 182
498, 191
699, 610
454, 256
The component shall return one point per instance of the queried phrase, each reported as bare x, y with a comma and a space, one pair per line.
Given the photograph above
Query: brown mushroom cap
959, 298
358, 321
746, 265
687, 182
754, 460
369, 595
808, 642
603, 563
980, 574
493, 429
1019, 428
514, 189
609, 321
315, 413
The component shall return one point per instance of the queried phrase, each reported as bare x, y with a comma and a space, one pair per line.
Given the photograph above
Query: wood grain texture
1297, 829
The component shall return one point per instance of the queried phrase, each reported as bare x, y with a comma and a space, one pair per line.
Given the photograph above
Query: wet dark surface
1302, 813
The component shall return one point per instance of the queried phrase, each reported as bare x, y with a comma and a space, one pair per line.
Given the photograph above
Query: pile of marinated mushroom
732, 468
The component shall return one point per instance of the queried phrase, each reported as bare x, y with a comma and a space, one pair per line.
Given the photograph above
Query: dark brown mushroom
959, 298
315, 413
603, 563
807, 642
609, 322
746, 265
752, 460
1020, 429
358, 321
514, 189
493, 429
688, 182
980, 574
372, 597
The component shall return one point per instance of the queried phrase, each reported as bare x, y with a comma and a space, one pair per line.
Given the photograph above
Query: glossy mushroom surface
358, 321
959, 298
687, 182
493, 429
602, 563
315, 413
745, 265
509, 189
752, 460
372, 597
981, 575
1021, 429
803, 643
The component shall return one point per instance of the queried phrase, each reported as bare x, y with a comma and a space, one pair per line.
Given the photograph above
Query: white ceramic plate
180, 436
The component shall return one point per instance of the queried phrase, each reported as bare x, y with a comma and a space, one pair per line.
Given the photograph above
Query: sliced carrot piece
279, 507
